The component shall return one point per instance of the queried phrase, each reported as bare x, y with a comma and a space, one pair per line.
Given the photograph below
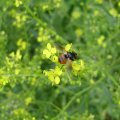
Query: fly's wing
69, 65
60, 48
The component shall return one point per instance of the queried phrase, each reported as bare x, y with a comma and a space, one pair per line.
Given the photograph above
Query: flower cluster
101, 40
50, 5
12, 62
21, 44
57, 3
4, 79
43, 34
68, 47
78, 66
54, 75
16, 56
20, 19
18, 3
50, 52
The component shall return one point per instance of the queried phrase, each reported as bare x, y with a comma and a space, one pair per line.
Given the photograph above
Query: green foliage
34, 85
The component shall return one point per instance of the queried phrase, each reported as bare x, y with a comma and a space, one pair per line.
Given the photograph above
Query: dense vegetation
34, 85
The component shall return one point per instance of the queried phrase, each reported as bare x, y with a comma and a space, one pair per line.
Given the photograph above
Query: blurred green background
93, 28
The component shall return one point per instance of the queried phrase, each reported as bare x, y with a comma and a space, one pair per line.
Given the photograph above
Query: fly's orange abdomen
62, 59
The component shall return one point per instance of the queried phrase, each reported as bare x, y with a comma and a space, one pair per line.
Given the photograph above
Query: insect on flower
67, 56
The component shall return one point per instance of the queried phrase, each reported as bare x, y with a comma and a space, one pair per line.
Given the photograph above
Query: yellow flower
119, 4
20, 19
76, 13
9, 62
96, 13
113, 12
78, 32
43, 35
28, 100
78, 66
68, 47
49, 51
33, 118
92, 81
22, 44
82, 64
119, 102
54, 58
4, 79
99, 1
33, 81
57, 80
58, 71
54, 75
101, 39
39, 39
45, 7
57, 3
18, 55
18, 3
12, 54
17, 71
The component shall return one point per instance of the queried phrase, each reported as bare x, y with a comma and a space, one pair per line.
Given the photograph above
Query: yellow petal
58, 71
12, 54
57, 80
17, 71
82, 64
54, 58
39, 39
76, 13
45, 72
68, 46
18, 55
28, 100
51, 78
76, 66
47, 53
49, 46
101, 39
53, 50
